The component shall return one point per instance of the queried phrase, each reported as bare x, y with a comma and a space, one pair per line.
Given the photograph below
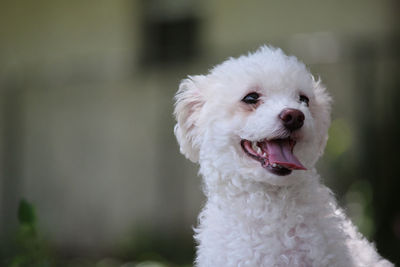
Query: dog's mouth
275, 155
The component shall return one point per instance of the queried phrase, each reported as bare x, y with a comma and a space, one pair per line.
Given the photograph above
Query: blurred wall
87, 98
84, 128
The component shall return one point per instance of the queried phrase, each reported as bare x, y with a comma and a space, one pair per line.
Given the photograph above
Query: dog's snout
292, 119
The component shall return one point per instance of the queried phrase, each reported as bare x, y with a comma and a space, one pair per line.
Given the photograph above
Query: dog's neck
251, 201
233, 185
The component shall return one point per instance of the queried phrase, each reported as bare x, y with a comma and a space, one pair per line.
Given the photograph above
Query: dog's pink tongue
280, 152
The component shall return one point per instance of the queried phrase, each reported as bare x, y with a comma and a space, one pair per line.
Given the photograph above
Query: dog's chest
254, 232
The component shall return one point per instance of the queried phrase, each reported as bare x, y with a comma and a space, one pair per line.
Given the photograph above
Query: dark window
172, 40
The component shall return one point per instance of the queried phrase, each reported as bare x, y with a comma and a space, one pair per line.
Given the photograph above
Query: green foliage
359, 206
340, 138
27, 247
26, 213
151, 247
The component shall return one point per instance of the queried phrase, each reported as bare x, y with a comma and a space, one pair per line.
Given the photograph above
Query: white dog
257, 125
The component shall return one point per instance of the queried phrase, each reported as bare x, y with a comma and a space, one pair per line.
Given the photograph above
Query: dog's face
262, 116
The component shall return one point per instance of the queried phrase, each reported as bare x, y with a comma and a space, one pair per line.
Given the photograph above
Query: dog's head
262, 116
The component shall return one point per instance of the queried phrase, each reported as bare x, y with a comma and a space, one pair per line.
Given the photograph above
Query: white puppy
257, 125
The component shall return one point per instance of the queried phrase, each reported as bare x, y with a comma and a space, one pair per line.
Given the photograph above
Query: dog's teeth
254, 146
265, 154
274, 165
259, 150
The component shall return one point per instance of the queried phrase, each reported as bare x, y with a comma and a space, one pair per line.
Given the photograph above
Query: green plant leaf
26, 212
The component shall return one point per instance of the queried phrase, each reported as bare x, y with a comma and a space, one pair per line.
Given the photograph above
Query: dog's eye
251, 98
304, 99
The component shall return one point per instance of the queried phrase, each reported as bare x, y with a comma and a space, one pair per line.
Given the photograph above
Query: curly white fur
253, 217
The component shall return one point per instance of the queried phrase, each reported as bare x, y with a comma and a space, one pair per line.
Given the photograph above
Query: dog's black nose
291, 118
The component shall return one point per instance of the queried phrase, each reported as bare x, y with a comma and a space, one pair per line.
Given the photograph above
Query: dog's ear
188, 105
322, 114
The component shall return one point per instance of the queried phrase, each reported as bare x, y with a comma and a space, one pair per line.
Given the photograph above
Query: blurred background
90, 172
